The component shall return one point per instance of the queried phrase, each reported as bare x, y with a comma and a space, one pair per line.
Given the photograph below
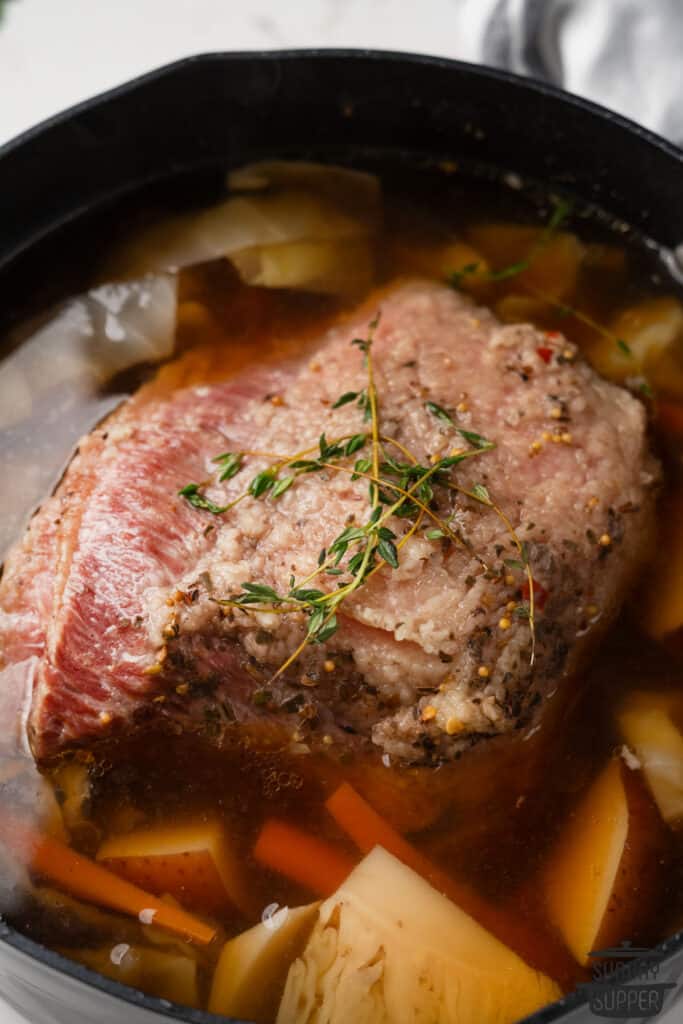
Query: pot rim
483, 71
9, 936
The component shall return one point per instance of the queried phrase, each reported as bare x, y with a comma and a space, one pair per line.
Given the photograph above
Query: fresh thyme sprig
561, 211
399, 487
367, 541
374, 545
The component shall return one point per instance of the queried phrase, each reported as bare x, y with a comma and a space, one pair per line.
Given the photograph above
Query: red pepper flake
541, 595
545, 354
552, 335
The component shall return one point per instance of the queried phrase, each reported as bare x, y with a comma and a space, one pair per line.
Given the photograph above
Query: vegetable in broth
284, 882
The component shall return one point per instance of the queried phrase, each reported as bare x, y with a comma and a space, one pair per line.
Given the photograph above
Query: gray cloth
625, 54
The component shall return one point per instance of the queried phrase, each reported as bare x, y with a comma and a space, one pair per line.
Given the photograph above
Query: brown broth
490, 820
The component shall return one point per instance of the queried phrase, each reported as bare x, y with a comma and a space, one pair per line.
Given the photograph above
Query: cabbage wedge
303, 226
389, 949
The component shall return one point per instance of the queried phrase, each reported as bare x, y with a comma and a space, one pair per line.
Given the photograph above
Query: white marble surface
54, 53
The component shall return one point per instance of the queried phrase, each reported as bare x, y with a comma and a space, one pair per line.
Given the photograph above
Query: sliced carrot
82, 878
310, 862
368, 829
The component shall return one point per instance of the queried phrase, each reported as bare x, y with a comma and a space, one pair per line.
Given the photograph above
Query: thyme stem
406, 482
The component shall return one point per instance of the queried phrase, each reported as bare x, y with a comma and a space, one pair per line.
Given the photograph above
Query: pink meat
111, 600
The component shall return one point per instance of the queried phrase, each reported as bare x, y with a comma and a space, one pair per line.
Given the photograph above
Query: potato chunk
193, 863
252, 968
647, 724
387, 947
169, 975
326, 267
603, 871
443, 261
292, 224
554, 261
653, 331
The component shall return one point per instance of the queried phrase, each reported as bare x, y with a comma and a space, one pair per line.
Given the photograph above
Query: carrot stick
368, 829
88, 881
311, 862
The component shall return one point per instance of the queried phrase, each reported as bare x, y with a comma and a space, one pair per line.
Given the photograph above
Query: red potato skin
189, 877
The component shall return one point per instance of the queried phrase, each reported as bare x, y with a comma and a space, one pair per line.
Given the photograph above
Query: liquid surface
490, 821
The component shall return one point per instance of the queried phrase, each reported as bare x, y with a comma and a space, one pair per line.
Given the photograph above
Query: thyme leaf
439, 412
194, 497
348, 396
481, 494
476, 440
355, 443
329, 451
257, 593
386, 549
262, 482
327, 630
231, 463
282, 485
307, 596
510, 271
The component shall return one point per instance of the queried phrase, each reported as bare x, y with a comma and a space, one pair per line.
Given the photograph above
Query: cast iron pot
197, 117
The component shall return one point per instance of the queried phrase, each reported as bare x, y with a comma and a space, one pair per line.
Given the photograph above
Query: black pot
203, 114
